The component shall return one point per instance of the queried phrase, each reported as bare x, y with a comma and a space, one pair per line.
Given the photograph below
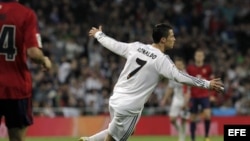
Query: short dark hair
160, 30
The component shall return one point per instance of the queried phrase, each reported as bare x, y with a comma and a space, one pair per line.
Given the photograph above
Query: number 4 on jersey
7, 42
139, 62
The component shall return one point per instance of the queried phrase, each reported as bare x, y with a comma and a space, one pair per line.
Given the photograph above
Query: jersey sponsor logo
147, 53
204, 70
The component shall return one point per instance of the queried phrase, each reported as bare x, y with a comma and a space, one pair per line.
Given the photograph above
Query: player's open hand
93, 30
217, 85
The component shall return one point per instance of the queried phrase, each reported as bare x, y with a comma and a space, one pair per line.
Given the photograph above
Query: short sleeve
31, 35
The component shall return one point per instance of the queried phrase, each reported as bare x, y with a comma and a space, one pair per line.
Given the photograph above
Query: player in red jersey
19, 40
200, 97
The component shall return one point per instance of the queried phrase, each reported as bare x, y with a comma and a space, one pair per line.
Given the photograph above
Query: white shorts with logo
122, 126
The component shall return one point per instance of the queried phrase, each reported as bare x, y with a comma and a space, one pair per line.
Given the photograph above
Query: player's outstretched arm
168, 93
170, 71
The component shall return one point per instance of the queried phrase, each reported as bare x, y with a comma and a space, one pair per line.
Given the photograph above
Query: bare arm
169, 70
36, 55
168, 93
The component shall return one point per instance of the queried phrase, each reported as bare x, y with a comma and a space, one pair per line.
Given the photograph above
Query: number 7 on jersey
141, 63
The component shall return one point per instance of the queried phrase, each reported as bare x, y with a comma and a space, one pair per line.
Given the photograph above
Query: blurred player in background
179, 104
19, 38
145, 65
200, 97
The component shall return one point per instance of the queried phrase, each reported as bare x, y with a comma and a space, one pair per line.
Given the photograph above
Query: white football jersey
144, 66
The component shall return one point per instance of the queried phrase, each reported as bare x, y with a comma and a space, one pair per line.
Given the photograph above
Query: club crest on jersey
147, 53
204, 70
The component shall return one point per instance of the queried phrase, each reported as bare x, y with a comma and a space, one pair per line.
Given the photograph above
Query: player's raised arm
113, 45
167, 95
187, 95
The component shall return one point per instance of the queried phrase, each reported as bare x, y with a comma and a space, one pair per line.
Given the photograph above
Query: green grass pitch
133, 138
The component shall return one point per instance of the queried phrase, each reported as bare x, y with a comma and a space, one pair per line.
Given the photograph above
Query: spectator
61, 20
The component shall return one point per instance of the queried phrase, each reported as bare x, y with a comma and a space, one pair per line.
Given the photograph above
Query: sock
182, 132
99, 136
192, 130
177, 127
207, 127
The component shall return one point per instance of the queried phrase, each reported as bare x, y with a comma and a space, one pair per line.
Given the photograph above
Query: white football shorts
176, 109
122, 126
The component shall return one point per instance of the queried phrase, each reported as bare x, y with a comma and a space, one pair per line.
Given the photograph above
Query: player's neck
199, 63
158, 46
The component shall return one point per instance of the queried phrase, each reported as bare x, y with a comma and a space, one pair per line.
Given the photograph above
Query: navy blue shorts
197, 104
17, 113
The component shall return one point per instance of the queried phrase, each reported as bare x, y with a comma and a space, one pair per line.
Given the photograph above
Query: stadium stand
84, 73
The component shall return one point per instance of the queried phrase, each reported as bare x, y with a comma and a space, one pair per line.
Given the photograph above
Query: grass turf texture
133, 138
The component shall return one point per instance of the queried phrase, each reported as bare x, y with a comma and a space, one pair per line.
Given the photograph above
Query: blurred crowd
84, 72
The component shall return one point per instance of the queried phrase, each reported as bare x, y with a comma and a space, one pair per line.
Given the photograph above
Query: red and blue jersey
19, 31
204, 72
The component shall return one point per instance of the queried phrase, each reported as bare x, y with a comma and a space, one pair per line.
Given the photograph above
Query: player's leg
18, 117
100, 136
17, 134
193, 116
174, 113
121, 127
207, 116
184, 119
182, 135
193, 125
174, 122
109, 138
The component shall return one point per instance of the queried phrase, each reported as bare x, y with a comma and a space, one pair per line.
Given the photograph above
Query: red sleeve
31, 35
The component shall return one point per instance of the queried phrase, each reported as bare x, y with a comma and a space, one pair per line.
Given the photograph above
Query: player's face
199, 56
169, 44
179, 64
